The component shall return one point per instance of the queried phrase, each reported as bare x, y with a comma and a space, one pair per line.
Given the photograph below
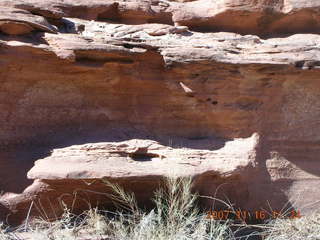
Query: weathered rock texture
151, 89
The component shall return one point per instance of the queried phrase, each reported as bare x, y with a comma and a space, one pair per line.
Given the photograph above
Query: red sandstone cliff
136, 90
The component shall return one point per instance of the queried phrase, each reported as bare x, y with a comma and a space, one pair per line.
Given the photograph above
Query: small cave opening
127, 45
143, 157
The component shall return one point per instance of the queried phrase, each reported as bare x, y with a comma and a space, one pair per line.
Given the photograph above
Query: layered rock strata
151, 89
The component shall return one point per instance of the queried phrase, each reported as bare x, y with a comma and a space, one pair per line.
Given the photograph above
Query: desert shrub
174, 217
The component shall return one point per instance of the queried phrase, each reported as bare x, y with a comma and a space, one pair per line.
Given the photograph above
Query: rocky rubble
132, 91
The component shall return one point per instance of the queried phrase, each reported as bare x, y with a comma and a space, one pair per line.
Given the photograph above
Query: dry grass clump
175, 217
304, 228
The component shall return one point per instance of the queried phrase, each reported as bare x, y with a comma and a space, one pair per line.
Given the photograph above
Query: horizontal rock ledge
76, 174
260, 17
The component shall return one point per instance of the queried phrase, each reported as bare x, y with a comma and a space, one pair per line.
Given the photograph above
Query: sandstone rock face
263, 17
15, 21
132, 91
115, 159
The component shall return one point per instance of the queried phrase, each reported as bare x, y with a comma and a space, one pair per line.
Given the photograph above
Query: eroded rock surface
135, 90
263, 17
143, 157
16, 22
76, 173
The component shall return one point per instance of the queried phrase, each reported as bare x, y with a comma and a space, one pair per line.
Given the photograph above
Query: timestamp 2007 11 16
251, 215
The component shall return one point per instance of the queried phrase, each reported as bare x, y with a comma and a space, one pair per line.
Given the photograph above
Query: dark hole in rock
127, 45
143, 157
68, 26
214, 102
299, 64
